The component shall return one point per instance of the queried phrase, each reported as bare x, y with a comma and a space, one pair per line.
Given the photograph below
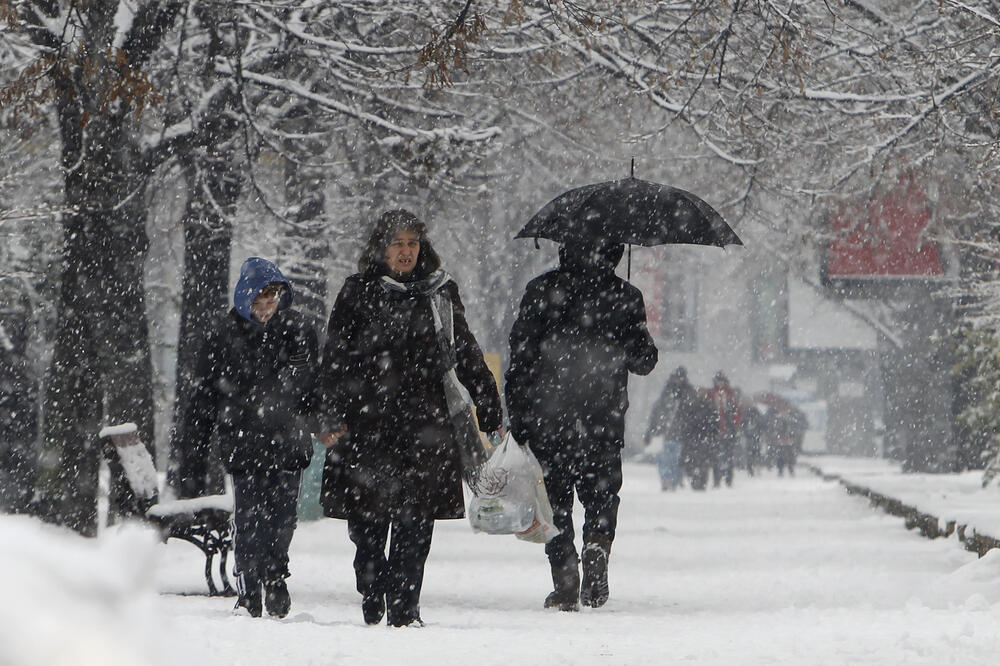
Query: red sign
884, 238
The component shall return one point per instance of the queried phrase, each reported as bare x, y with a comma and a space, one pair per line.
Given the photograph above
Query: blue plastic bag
312, 485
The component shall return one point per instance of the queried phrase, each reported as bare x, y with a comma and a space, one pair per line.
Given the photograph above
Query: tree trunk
101, 370
304, 249
194, 468
215, 183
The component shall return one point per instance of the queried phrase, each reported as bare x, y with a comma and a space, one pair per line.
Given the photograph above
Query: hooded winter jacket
383, 375
254, 384
579, 331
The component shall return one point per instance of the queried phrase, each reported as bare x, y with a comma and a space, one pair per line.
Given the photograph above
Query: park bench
201, 521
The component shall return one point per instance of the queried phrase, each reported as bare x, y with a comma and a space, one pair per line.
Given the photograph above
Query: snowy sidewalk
938, 504
771, 571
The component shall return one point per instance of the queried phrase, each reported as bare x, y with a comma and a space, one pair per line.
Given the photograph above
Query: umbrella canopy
631, 211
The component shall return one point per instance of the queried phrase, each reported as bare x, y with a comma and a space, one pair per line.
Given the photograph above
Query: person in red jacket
728, 414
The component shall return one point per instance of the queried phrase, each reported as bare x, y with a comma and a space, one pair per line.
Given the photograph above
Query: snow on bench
201, 521
192, 505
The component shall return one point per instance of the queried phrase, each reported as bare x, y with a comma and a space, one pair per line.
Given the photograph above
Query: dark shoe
373, 608
564, 600
402, 612
594, 591
251, 600
276, 598
566, 583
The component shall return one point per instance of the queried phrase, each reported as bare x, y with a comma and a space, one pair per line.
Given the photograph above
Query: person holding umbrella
579, 331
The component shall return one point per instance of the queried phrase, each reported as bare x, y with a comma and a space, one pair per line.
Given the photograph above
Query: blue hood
255, 274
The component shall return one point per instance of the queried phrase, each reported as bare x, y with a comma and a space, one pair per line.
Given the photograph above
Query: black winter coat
580, 330
697, 428
255, 386
382, 375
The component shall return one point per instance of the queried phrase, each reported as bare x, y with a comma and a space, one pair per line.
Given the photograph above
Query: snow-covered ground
772, 571
958, 497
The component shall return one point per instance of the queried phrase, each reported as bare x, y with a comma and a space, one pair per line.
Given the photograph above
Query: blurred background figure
727, 433
752, 427
787, 428
669, 431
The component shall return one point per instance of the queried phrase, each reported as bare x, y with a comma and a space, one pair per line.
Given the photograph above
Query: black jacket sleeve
525, 337
659, 415
339, 362
472, 370
641, 354
302, 368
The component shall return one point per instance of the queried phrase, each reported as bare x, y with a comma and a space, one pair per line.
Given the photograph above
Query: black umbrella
631, 211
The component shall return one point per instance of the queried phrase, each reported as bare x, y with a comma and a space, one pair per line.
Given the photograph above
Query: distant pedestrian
753, 429
668, 429
580, 331
727, 435
254, 385
396, 341
698, 428
787, 428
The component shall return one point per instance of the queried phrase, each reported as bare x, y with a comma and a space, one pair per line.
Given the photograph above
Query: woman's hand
496, 436
328, 439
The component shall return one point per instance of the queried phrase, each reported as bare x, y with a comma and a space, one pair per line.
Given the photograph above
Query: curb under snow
941, 510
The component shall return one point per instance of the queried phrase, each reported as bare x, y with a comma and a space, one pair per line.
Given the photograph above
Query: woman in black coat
396, 469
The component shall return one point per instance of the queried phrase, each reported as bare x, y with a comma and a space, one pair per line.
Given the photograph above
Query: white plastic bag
509, 495
542, 527
504, 491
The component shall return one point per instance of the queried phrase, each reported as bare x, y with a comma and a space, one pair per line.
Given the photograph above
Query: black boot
276, 598
373, 607
249, 594
594, 591
566, 595
402, 612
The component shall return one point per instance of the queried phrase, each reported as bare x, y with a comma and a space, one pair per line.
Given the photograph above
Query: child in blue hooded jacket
254, 388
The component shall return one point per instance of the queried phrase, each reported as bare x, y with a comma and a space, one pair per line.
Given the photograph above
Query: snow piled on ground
772, 571
74, 601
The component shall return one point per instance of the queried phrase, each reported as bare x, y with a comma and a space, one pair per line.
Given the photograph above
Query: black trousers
722, 466
595, 473
400, 574
264, 519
